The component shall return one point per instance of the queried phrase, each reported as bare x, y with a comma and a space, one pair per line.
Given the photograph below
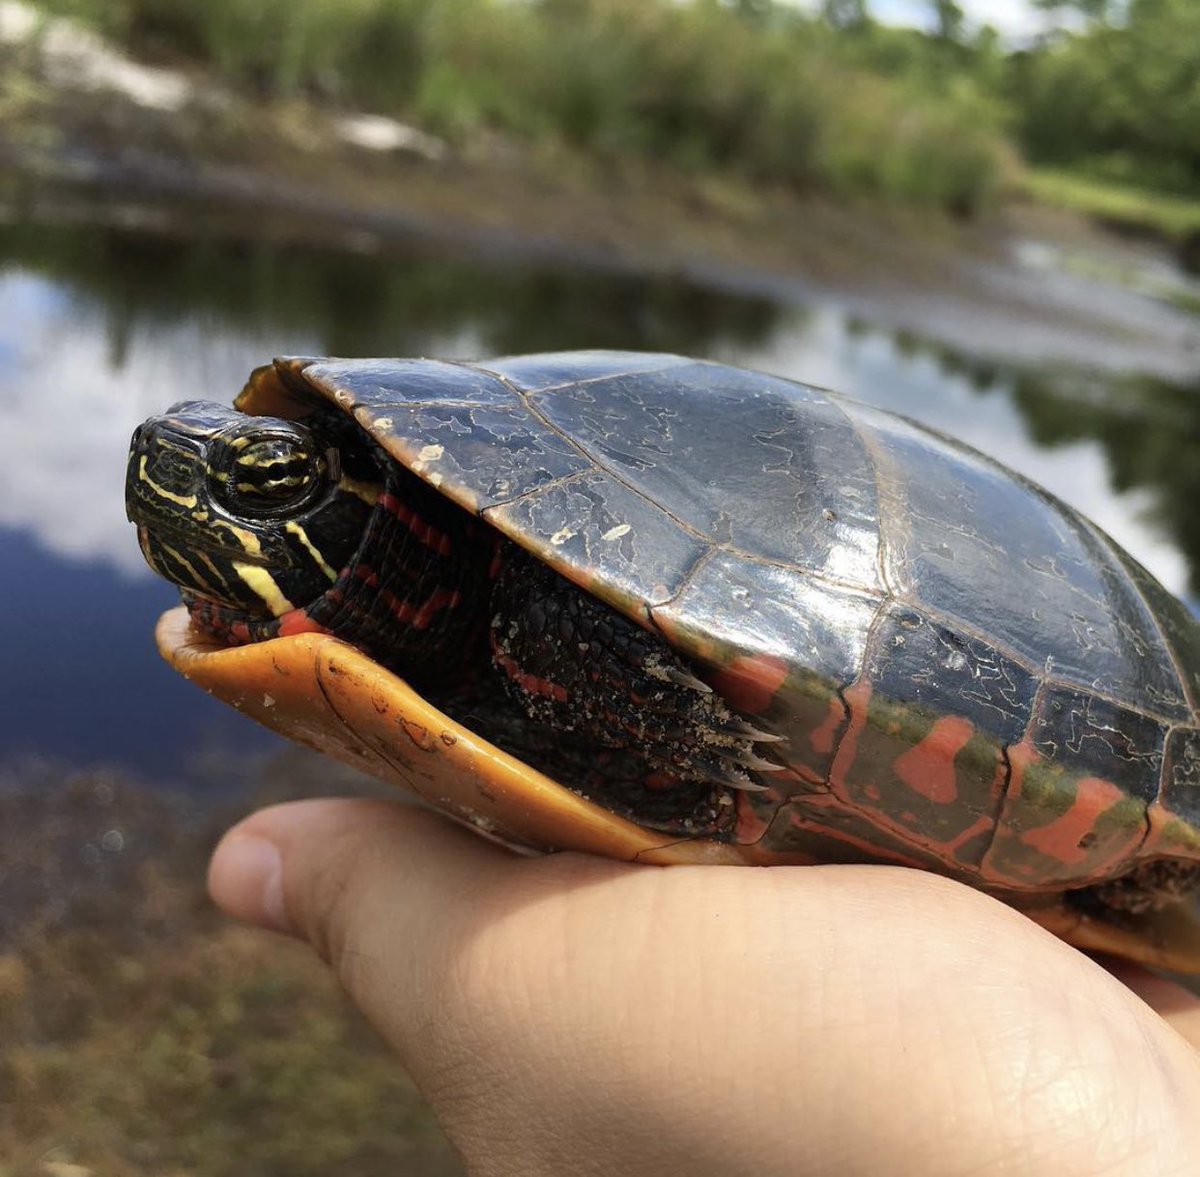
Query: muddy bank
1025, 285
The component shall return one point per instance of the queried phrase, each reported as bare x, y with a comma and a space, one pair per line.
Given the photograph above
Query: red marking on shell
1020, 757
298, 621
1061, 838
858, 699
822, 738
527, 682
984, 823
239, 631
803, 814
928, 766
1169, 833
428, 535
751, 825
749, 683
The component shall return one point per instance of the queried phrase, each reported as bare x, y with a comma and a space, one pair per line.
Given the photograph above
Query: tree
1093, 11
949, 17
846, 15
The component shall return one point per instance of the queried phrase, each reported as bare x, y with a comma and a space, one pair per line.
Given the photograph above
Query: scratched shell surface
969, 674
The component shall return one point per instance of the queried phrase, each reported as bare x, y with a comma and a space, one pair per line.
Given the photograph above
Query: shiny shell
970, 677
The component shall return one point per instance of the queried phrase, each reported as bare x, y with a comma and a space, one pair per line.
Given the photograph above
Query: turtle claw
723, 770
759, 764
745, 758
739, 729
758, 736
747, 786
681, 678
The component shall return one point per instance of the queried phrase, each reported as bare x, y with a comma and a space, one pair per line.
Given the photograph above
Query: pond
106, 318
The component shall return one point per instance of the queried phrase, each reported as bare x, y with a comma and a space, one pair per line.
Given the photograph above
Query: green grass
1174, 217
695, 86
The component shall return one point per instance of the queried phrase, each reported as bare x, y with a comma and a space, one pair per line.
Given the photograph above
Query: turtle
673, 611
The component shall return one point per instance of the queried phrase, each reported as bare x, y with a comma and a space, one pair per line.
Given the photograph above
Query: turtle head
256, 514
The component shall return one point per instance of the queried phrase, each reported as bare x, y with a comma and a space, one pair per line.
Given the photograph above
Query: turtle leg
1160, 882
581, 669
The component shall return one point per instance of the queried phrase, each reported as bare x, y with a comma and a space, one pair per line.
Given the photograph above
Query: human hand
567, 1015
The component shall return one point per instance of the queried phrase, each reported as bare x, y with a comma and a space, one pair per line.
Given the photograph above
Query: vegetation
829, 100
763, 91
1176, 218
1121, 100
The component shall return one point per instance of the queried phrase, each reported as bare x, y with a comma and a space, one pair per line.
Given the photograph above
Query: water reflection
101, 326
82, 685
1150, 434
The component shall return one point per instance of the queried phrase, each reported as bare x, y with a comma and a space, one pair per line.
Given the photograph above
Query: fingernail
247, 880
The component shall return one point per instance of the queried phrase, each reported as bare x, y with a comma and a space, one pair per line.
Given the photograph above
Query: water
102, 324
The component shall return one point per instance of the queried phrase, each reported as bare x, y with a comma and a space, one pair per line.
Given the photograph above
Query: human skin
568, 1015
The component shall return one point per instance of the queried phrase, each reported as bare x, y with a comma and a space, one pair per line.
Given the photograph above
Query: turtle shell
970, 677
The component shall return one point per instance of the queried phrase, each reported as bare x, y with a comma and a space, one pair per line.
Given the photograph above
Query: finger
350, 876
394, 899
1176, 1005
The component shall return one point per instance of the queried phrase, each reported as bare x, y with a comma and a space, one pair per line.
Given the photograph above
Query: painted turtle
742, 620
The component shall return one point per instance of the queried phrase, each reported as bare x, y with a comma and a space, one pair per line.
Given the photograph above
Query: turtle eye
263, 472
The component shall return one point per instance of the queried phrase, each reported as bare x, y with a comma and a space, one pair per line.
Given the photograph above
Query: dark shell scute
794, 484
593, 522
935, 711
1081, 787
969, 540
500, 454
782, 644
773, 611
1096, 738
1179, 629
934, 670
551, 369
386, 383
1181, 789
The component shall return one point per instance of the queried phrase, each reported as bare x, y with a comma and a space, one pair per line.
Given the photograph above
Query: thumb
367, 883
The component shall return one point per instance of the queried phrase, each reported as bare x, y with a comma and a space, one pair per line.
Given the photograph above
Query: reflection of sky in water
68, 407
67, 410
82, 682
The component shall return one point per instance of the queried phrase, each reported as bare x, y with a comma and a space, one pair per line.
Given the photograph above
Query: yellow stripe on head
263, 585
318, 559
